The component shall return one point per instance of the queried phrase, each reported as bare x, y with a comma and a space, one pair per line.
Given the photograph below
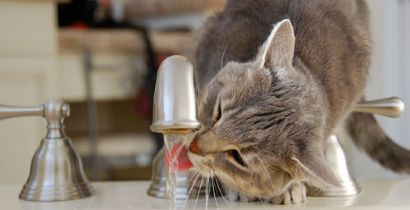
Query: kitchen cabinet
27, 61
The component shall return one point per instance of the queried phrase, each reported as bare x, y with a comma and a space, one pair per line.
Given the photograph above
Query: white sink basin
376, 194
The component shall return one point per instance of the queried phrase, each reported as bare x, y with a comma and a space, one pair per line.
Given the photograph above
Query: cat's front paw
295, 194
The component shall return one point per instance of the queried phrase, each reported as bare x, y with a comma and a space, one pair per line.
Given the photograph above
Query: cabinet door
23, 82
27, 50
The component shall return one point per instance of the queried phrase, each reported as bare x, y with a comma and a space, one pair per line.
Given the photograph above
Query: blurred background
101, 57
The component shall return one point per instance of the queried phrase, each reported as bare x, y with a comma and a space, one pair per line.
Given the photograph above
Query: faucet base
347, 189
336, 158
53, 193
186, 186
56, 173
158, 189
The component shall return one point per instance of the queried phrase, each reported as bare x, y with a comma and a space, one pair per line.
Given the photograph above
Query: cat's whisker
261, 200
206, 192
191, 188
191, 177
222, 195
194, 176
223, 54
252, 170
213, 190
267, 173
259, 195
199, 192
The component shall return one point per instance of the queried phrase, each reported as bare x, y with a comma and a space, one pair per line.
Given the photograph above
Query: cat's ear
316, 170
278, 49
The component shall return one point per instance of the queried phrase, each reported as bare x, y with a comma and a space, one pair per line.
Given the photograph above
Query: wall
27, 66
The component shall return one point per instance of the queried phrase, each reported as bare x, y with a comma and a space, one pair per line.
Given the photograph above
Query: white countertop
376, 194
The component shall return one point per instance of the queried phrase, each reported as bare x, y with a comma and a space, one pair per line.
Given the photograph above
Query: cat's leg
233, 195
229, 193
246, 198
298, 193
295, 194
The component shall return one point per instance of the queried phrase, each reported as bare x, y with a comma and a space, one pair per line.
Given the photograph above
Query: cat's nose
194, 147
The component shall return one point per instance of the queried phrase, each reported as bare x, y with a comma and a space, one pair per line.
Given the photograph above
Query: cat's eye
219, 112
236, 156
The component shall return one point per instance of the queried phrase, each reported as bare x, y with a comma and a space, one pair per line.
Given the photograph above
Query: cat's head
263, 121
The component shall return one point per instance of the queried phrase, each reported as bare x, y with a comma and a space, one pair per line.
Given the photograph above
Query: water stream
176, 159
173, 145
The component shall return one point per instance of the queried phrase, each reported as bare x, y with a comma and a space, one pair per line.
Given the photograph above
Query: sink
376, 194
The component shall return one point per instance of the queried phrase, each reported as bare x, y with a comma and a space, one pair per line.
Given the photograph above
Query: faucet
334, 153
56, 172
174, 112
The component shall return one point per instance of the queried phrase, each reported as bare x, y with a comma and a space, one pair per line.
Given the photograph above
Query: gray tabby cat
274, 79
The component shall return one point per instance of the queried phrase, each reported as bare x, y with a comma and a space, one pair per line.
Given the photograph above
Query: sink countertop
376, 194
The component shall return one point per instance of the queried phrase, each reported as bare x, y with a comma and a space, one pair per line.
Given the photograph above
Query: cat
274, 79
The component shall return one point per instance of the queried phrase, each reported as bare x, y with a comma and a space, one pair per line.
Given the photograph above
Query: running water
176, 159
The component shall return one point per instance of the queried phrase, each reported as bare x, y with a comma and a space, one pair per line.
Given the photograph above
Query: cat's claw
294, 195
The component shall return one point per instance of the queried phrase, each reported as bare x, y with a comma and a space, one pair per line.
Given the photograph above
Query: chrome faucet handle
56, 171
53, 111
390, 107
15, 111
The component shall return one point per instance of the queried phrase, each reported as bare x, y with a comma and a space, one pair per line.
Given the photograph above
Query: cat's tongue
179, 153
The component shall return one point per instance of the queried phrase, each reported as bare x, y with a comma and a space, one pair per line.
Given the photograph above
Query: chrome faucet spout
174, 97
174, 112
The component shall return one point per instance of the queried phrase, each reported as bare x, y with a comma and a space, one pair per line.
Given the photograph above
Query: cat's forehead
232, 71
244, 77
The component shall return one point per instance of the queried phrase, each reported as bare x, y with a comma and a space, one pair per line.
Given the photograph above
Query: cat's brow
223, 54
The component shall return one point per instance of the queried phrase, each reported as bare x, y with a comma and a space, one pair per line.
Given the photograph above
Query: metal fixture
158, 186
335, 155
56, 172
174, 111
390, 107
174, 97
